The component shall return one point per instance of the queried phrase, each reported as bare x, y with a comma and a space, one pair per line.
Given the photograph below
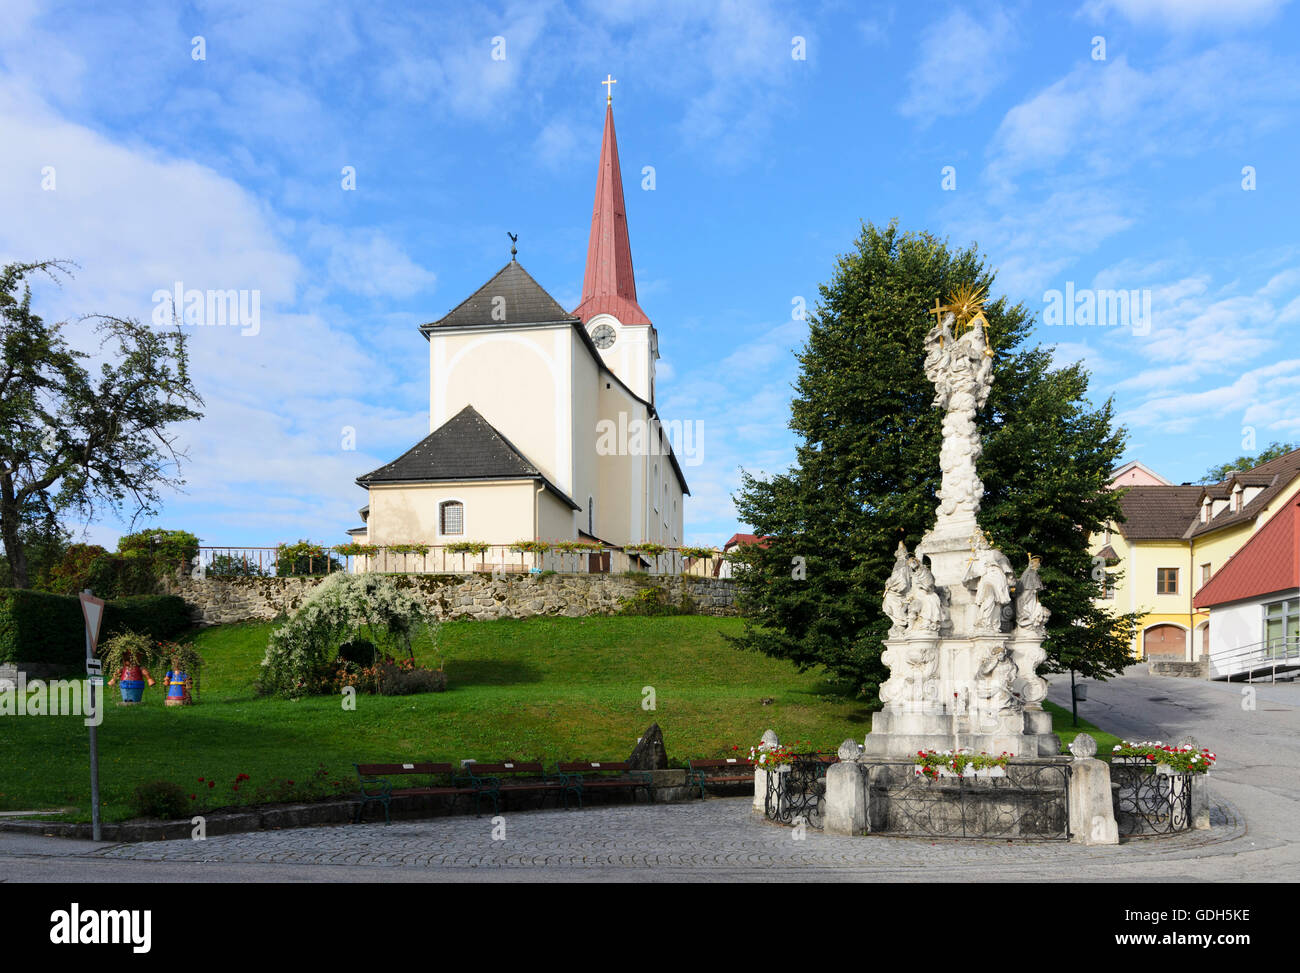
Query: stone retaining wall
215, 601
1192, 670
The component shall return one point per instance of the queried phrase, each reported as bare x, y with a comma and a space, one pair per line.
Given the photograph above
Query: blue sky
1069, 169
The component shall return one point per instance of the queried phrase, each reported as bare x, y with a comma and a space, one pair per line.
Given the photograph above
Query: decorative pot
178, 688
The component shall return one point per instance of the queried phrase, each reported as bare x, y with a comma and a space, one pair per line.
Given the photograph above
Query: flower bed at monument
935, 763
1180, 760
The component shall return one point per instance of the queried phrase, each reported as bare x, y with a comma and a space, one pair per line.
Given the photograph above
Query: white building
542, 421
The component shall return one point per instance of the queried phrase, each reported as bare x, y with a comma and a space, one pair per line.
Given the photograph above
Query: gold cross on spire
609, 91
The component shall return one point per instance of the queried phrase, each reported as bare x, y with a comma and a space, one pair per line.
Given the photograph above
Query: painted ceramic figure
131, 681
178, 686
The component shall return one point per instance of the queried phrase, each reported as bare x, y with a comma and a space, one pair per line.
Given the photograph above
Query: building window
591, 516
451, 517
1282, 626
654, 487
1166, 581
1108, 589
1205, 574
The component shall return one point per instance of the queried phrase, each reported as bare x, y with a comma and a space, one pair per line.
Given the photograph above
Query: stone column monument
962, 652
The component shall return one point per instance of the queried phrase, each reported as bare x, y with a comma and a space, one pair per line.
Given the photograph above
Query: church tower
627, 341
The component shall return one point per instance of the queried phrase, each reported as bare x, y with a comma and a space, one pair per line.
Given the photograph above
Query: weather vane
609, 91
514, 238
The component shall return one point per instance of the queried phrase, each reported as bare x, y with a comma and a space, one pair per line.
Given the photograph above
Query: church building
542, 421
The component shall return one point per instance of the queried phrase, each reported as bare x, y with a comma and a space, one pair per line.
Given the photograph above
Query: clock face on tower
603, 336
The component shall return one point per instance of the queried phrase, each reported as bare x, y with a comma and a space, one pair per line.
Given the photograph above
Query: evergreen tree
867, 470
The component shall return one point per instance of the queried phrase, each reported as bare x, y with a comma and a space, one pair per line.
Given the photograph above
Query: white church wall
585, 397
498, 512
620, 502
519, 381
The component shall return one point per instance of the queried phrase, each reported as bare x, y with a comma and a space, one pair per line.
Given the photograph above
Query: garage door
1165, 642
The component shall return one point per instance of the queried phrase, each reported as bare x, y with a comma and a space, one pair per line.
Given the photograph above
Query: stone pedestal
1092, 808
846, 799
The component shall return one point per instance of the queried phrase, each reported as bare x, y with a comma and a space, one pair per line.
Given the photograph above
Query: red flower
193, 797
290, 783
212, 783
200, 780
236, 787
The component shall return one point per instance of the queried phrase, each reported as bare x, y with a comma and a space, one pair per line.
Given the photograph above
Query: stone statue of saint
938, 359
995, 678
925, 611
1030, 612
896, 589
991, 567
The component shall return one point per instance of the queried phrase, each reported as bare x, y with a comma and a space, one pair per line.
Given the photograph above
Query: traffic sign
93, 610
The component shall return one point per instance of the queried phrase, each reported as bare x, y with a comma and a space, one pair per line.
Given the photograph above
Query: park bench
731, 770
493, 780
580, 776
377, 787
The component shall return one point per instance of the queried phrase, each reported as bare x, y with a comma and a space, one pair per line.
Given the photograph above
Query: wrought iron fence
1031, 802
1150, 801
502, 559
799, 793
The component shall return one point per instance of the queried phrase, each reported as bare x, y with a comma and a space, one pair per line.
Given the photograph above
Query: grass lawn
544, 689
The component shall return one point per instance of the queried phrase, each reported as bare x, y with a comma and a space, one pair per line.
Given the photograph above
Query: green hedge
39, 627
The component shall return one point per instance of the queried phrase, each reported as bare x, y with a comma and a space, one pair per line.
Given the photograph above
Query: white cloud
370, 264
962, 60
1182, 15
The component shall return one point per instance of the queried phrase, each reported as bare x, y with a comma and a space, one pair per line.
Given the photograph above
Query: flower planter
970, 772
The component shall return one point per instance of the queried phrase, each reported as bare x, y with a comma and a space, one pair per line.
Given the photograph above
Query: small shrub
651, 600
396, 680
163, 799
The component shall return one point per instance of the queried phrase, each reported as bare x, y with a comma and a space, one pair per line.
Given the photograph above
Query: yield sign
93, 609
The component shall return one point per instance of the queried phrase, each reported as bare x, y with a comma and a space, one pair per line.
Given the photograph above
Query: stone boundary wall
1192, 670
215, 601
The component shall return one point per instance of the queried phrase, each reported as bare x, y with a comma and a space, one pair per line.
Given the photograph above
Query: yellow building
1173, 540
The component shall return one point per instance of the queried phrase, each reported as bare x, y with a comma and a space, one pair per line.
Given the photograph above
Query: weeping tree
867, 469
76, 442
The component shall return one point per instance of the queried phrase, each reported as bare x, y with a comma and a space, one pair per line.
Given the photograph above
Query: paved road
1257, 785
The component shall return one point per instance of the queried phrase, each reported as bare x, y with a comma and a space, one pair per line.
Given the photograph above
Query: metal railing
1257, 660
1150, 800
225, 562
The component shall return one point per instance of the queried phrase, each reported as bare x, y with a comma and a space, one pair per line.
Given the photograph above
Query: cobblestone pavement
719, 839
718, 832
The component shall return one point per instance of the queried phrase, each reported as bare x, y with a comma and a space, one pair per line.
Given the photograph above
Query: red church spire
609, 286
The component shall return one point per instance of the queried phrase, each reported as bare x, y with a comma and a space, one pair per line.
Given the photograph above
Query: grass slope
543, 688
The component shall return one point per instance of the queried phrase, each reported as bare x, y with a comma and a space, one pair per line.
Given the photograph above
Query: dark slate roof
1154, 512
526, 302
465, 447
1274, 476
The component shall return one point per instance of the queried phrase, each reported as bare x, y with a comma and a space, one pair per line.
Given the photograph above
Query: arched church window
591, 516
451, 517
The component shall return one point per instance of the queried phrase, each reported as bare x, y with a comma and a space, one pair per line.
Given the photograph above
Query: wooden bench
580, 776
378, 788
731, 770
488, 779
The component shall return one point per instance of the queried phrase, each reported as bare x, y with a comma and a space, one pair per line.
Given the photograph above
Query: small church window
451, 517
591, 516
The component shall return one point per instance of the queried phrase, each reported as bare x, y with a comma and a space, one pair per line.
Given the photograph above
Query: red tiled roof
738, 539
1268, 562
